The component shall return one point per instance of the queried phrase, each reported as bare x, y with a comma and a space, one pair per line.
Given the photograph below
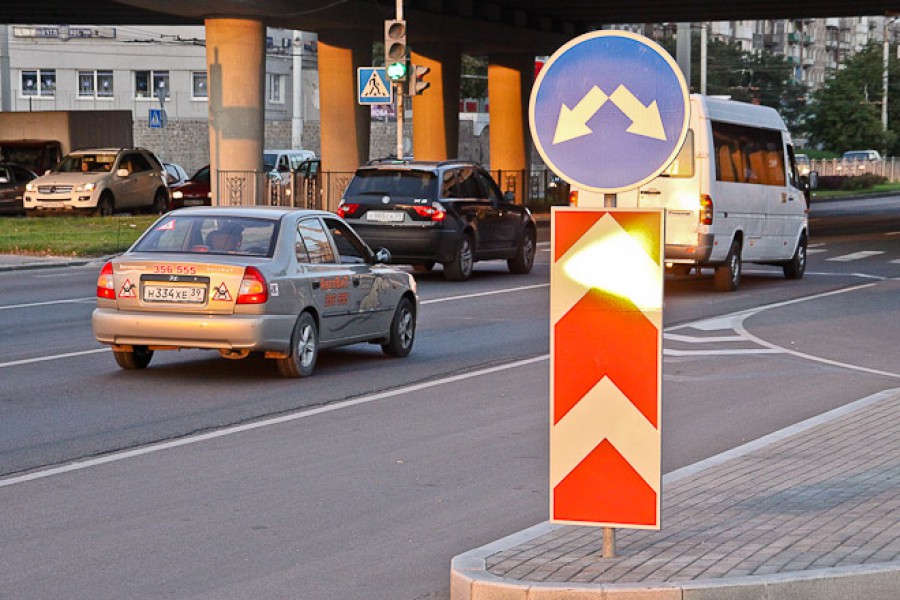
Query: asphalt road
202, 478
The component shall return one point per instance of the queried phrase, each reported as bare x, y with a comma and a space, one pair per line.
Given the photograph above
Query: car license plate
385, 216
193, 201
181, 294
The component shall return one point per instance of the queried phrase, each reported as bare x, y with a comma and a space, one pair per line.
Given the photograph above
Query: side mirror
122, 173
509, 196
382, 256
813, 179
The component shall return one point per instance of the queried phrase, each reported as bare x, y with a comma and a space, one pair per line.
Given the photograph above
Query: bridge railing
537, 187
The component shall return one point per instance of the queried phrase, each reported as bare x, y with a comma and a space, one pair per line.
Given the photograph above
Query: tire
106, 205
304, 349
460, 268
136, 358
796, 267
728, 275
522, 262
403, 330
160, 202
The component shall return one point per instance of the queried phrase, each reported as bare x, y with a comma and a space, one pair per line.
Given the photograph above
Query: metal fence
538, 188
837, 167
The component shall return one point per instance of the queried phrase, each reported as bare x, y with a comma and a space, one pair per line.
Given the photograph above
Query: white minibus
733, 194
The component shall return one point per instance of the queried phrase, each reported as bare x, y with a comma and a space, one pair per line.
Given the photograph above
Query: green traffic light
396, 71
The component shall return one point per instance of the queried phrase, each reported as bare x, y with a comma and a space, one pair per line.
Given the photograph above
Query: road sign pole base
609, 542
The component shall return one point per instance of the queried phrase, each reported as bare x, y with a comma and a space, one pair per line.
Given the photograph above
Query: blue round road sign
609, 111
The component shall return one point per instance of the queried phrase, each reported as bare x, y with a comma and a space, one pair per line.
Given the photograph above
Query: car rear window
196, 234
393, 183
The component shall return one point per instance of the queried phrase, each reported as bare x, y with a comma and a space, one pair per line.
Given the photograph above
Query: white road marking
490, 293
294, 416
856, 255
49, 303
28, 361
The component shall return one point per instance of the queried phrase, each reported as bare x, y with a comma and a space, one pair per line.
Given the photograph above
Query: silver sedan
280, 282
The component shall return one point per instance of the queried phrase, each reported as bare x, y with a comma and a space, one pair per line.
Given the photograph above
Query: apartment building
141, 68
814, 47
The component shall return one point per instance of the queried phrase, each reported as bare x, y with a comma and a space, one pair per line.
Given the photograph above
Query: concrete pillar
344, 123
236, 67
436, 111
510, 77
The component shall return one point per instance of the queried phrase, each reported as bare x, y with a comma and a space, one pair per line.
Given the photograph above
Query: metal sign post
608, 112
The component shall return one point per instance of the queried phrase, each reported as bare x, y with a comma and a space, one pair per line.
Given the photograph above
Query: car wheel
160, 202
136, 358
728, 275
522, 262
106, 205
460, 268
796, 267
304, 349
403, 330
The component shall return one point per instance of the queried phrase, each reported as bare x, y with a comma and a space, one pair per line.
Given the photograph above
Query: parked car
449, 212
803, 164
281, 282
175, 174
193, 192
13, 179
857, 162
100, 182
280, 162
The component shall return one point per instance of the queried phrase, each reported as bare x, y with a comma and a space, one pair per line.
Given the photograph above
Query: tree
845, 114
760, 77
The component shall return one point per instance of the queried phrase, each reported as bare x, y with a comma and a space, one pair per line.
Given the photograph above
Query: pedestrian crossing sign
374, 86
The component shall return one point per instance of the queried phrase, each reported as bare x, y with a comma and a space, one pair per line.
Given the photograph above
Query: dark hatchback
13, 179
449, 212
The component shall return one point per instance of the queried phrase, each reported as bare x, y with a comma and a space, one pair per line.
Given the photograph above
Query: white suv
100, 182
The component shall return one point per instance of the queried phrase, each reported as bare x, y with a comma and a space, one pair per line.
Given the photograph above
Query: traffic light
395, 49
419, 83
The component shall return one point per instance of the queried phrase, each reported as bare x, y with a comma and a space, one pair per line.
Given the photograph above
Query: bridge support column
510, 77
344, 123
436, 111
236, 66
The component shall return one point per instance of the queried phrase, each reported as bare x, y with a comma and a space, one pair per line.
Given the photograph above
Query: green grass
883, 188
70, 236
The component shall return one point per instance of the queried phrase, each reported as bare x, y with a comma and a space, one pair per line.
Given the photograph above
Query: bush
862, 182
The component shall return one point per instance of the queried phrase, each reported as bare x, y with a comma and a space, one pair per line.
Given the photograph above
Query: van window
683, 165
748, 154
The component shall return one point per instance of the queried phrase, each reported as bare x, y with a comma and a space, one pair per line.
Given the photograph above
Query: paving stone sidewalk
822, 498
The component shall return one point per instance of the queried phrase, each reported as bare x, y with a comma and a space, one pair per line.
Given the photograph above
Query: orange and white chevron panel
606, 297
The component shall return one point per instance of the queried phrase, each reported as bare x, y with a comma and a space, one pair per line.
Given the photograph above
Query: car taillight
347, 210
435, 212
573, 197
253, 287
106, 285
706, 210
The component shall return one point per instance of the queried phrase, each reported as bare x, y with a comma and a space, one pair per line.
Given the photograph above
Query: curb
470, 579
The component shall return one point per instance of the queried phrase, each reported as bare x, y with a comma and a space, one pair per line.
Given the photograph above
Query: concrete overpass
509, 32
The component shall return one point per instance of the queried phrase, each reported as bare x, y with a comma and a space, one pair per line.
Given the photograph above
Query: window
39, 82
275, 88
314, 241
683, 165
147, 84
748, 155
198, 89
95, 84
349, 246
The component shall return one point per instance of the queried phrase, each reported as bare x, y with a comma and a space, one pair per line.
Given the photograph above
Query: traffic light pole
398, 94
